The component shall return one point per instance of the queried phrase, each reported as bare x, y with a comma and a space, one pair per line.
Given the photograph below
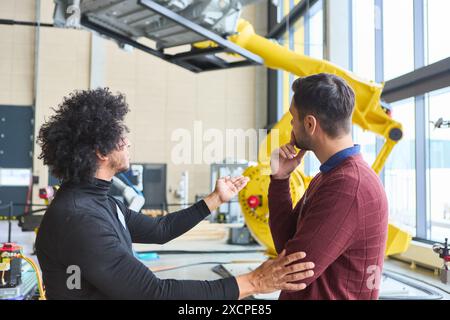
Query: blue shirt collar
339, 157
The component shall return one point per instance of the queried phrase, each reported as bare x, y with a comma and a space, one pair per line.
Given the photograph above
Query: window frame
422, 150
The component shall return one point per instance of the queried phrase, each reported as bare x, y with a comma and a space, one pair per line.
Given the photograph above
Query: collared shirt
335, 160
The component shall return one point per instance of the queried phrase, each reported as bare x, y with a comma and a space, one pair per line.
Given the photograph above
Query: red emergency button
253, 202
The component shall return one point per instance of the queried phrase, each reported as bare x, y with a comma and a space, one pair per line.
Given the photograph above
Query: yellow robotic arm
368, 114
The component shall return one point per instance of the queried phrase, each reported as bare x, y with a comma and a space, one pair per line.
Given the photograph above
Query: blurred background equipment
167, 24
133, 198
241, 236
155, 185
228, 212
131, 19
444, 253
441, 123
142, 187
48, 193
31, 220
182, 191
10, 265
16, 159
19, 274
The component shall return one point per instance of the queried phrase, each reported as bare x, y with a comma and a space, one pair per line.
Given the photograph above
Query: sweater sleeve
145, 229
327, 226
282, 217
108, 266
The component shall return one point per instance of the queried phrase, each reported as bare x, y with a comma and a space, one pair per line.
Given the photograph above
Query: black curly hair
85, 122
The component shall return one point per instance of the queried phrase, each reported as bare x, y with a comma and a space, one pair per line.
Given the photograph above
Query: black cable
191, 265
33, 211
5, 206
222, 271
162, 252
26, 214
29, 204
189, 204
26, 23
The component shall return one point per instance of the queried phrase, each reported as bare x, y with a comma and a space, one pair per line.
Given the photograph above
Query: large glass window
364, 64
398, 38
293, 39
438, 23
394, 54
299, 36
315, 50
285, 78
316, 40
364, 38
304, 36
367, 141
391, 47
439, 163
400, 170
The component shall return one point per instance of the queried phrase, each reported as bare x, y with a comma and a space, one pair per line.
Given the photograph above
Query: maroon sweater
341, 224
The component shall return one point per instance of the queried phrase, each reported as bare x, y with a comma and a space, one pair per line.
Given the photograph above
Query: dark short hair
327, 97
85, 122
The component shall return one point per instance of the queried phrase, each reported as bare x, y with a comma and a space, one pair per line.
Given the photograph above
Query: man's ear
311, 124
100, 156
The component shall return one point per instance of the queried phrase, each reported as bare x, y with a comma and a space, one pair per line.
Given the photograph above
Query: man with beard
341, 220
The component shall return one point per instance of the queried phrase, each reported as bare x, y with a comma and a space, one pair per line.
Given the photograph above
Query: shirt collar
94, 186
339, 157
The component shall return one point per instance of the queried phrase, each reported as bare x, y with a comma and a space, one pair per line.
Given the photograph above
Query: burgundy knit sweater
341, 224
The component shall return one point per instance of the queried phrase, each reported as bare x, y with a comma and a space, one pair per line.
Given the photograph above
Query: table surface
195, 259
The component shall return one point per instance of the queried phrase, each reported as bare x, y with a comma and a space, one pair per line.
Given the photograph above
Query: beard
302, 141
119, 165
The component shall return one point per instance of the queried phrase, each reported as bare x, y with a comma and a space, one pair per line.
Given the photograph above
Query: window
398, 37
438, 29
384, 46
400, 170
293, 39
312, 164
316, 30
304, 36
364, 38
285, 79
299, 36
367, 141
363, 16
315, 49
439, 166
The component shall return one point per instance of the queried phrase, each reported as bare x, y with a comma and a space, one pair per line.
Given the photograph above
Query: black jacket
81, 228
